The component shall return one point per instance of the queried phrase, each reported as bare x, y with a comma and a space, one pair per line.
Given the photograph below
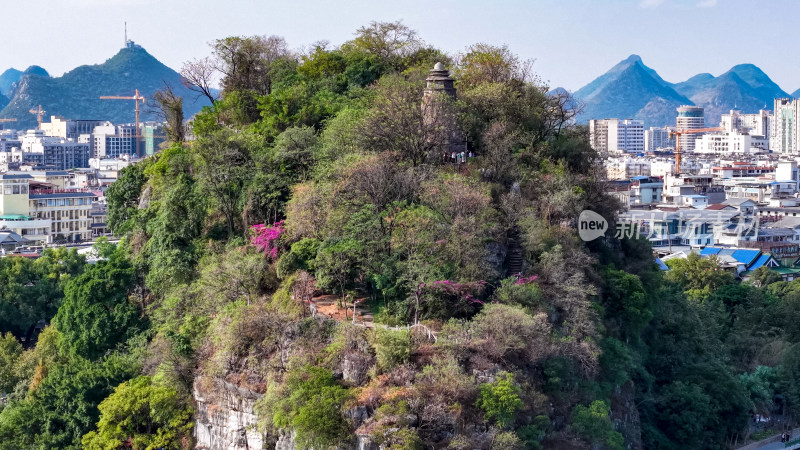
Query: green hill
76, 94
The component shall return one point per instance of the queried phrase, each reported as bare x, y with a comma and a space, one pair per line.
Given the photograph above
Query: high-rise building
617, 135
689, 118
758, 124
656, 138
68, 128
112, 141
784, 133
51, 152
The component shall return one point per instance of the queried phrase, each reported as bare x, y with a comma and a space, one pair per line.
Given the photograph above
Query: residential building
617, 136
56, 153
725, 143
625, 168
689, 118
645, 190
658, 138
113, 141
785, 127
758, 124
68, 128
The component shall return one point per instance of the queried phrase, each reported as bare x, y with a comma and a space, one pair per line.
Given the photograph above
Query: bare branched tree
170, 107
246, 63
198, 75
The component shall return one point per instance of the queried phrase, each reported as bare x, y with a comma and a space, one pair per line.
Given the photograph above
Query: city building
68, 128
785, 128
617, 136
50, 152
758, 124
113, 141
725, 143
689, 118
658, 139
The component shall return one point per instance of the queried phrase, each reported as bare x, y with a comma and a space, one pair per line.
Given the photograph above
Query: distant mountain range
76, 94
633, 90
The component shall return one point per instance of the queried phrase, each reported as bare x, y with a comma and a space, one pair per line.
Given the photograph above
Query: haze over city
572, 41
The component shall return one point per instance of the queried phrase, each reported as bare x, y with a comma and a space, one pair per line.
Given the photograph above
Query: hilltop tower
438, 108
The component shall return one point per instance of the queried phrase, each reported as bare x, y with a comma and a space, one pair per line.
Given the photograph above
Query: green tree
96, 315
123, 198
144, 415
698, 276
500, 400
10, 351
594, 424
310, 403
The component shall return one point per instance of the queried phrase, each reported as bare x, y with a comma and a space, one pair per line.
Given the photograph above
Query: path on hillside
327, 305
772, 443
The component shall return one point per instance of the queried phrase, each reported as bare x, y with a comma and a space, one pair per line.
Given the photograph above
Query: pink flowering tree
520, 291
266, 238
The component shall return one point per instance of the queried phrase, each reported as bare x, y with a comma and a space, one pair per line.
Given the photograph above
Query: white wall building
725, 143
656, 138
112, 141
785, 128
617, 135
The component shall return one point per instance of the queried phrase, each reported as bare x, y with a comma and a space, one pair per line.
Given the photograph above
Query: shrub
594, 424
392, 348
500, 400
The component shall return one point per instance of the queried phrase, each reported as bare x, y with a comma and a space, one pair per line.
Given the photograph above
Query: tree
123, 198
10, 351
593, 424
224, 165
389, 41
170, 106
198, 75
246, 63
484, 63
699, 276
310, 403
500, 400
144, 415
96, 315
397, 122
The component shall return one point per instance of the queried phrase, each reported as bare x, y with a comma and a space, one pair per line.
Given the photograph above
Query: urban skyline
657, 30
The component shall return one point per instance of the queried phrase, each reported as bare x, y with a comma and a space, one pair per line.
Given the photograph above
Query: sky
570, 41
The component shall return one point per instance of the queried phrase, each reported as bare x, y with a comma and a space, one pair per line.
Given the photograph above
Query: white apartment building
617, 135
113, 141
758, 124
625, 168
689, 118
656, 138
785, 128
56, 153
69, 129
725, 143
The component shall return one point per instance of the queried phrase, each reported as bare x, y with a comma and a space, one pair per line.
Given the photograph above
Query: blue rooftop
746, 257
661, 264
760, 262
708, 251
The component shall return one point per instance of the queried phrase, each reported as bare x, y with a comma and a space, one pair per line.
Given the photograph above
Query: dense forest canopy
338, 171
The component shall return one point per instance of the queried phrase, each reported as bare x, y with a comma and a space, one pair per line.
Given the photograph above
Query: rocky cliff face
225, 417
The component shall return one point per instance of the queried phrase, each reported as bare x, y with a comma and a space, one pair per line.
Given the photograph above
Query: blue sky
572, 41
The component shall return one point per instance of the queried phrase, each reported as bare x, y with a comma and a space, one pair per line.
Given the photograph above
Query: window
16, 189
7, 190
23, 189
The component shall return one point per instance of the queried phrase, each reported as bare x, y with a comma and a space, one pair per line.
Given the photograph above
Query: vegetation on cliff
494, 326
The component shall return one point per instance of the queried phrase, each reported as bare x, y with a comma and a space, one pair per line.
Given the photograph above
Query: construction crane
677, 135
136, 98
39, 112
